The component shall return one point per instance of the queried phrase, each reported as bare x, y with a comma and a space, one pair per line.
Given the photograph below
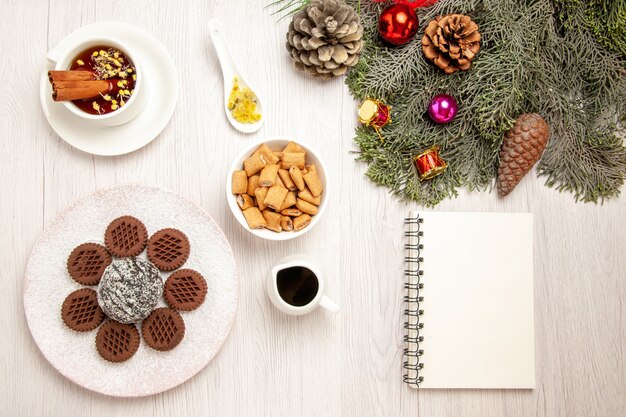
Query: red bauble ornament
414, 4
417, 3
397, 24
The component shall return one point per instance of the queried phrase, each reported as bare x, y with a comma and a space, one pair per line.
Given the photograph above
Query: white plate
160, 79
47, 283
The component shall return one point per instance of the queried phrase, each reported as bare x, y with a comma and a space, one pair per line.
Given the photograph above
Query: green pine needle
287, 7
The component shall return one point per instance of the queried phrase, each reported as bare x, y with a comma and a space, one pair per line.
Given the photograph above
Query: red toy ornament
429, 164
397, 24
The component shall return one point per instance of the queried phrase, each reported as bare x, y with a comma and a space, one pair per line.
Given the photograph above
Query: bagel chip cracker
244, 201
296, 176
253, 184
273, 220
286, 223
279, 181
253, 164
291, 212
314, 183
255, 218
293, 160
267, 154
287, 181
306, 207
293, 147
275, 197
240, 182
308, 197
267, 178
260, 194
301, 222
289, 201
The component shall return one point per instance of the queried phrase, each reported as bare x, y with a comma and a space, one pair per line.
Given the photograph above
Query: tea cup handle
52, 56
329, 305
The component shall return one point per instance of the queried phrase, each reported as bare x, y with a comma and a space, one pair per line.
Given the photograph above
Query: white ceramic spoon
229, 72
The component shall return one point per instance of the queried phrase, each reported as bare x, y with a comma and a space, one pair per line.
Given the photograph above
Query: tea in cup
99, 80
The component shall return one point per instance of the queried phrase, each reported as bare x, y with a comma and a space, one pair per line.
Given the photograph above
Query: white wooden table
274, 365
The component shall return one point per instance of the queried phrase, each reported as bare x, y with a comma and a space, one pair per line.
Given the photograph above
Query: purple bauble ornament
442, 108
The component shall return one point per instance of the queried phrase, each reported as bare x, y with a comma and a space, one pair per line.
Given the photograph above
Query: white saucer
160, 77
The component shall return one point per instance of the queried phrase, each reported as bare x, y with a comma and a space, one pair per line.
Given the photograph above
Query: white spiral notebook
469, 300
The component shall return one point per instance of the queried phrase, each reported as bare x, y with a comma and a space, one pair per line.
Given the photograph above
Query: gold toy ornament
376, 114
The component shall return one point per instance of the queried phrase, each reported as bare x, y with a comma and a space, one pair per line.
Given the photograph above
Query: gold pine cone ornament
325, 38
451, 42
521, 149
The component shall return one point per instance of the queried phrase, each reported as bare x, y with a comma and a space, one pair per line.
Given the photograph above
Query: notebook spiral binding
412, 326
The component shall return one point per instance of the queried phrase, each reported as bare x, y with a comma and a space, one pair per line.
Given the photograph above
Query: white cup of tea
61, 57
296, 286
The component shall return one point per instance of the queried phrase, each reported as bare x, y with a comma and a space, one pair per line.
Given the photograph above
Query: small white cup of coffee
61, 58
296, 286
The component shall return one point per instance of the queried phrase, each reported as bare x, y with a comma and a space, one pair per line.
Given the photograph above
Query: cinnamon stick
81, 89
73, 75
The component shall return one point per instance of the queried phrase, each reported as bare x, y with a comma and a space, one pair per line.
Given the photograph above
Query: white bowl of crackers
277, 189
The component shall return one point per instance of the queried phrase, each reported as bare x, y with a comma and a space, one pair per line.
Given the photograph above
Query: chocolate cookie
163, 329
117, 342
168, 249
185, 290
126, 236
87, 262
130, 288
80, 310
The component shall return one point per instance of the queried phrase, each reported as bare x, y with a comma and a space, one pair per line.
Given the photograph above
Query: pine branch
536, 56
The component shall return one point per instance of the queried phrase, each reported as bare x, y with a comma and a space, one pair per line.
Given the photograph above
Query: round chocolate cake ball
129, 289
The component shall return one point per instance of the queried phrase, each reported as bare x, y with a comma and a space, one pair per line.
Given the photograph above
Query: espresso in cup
297, 285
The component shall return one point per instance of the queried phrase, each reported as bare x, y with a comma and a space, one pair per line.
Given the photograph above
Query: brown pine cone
325, 38
521, 149
451, 42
